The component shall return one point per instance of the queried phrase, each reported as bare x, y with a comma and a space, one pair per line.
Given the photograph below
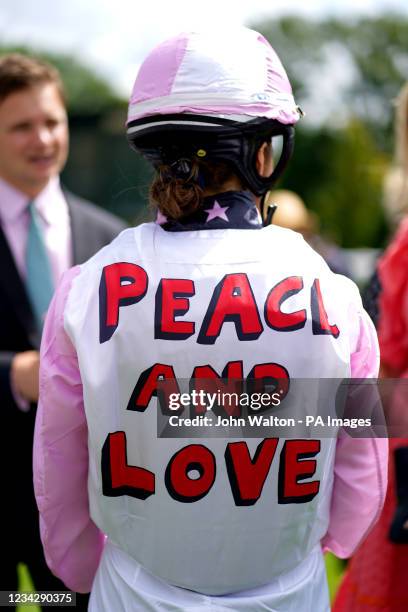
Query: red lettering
274, 317
247, 476
159, 378
320, 320
179, 483
172, 302
295, 466
206, 379
119, 478
122, 284
268, 378
231, 301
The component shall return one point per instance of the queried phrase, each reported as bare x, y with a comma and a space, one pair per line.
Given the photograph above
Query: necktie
39, 284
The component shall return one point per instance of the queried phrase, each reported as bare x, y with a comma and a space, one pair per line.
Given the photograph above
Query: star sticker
216, 211
161, 219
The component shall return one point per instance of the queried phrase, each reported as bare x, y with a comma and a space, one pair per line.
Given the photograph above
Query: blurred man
43, 231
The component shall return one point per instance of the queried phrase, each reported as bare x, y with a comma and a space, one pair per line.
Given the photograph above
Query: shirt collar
13, 202
227, 210
48, 201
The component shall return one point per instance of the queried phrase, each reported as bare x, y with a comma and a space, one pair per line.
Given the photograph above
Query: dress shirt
53, 215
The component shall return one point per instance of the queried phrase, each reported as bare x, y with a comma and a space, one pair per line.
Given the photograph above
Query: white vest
212, 545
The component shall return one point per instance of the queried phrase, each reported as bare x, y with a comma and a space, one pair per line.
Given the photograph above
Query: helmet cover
213, 86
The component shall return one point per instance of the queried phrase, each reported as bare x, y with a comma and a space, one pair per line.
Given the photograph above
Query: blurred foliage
87, 92
338, 167
373, 49
335, 571
339, 174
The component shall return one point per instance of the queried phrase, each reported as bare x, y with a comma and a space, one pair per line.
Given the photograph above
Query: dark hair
19, 72
179, 197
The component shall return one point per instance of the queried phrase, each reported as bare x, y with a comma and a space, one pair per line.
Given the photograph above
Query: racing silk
202, 300
105, 343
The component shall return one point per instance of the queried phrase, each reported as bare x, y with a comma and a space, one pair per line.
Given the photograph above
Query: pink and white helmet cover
235, 74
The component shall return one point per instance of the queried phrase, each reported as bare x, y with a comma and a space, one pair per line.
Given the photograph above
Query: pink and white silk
360, 470
73, 544
234, 72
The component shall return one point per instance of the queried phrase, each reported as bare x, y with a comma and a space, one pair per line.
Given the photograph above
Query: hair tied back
182, 169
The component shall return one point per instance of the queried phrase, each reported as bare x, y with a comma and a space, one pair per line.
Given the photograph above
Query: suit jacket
92, 228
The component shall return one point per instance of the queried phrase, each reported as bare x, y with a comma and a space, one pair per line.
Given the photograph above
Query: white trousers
122, 585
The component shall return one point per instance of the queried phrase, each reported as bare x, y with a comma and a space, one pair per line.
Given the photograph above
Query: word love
124, 284
246, 474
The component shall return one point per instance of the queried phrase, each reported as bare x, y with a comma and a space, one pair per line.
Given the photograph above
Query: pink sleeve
72, 542
360, 471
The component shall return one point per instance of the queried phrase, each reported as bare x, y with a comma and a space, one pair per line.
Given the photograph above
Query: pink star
216, 211
161, 219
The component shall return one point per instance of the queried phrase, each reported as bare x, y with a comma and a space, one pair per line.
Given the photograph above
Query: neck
30, 191
232, 185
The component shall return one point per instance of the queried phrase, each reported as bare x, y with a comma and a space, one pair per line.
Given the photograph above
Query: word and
225, 391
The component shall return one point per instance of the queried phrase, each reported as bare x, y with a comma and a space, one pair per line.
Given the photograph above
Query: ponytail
177, 197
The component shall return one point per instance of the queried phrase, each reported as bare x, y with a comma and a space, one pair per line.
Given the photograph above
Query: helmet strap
269, 212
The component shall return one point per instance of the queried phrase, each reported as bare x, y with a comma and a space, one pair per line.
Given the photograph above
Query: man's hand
25, 374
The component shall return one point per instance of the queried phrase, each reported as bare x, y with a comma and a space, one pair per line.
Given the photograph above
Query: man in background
43, 231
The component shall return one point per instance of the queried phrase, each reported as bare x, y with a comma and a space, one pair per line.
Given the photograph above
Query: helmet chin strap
269, 212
